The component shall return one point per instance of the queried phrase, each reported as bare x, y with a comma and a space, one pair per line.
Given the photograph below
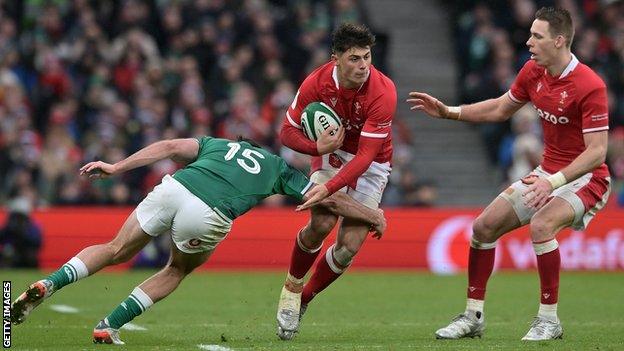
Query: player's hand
427, 103
327, 142
538, 193
98, 169
379, 228
529, 179
314, 196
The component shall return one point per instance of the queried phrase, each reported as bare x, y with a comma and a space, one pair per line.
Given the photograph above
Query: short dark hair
559, 22
350, 35
249, 141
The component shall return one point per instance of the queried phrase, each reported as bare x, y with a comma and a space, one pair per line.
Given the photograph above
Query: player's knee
177, 269
484, 230
542, 228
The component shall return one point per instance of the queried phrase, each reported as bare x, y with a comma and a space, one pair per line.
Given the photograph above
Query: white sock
548, 312
79, 266
295, 280
142, 297
329, 257
475, 306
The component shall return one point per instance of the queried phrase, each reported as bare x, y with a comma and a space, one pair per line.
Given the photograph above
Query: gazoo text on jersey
547, 116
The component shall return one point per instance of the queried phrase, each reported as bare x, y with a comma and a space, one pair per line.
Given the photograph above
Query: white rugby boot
288, 335
288, 314
544, 329
466, 325
104, 334
29, 299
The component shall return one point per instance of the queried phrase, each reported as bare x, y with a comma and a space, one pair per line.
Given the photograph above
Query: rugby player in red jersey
356, 160
566, 190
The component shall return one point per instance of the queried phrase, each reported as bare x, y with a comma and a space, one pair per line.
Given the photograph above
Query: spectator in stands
411, 192
20, 238
526, 144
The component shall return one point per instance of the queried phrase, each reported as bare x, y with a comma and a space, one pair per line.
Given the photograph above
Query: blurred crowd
82, 80
491, 48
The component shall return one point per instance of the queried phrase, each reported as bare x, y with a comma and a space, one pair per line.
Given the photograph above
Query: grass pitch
224, 311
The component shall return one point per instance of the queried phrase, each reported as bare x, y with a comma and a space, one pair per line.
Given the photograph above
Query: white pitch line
214, 347
64, 309
132, 326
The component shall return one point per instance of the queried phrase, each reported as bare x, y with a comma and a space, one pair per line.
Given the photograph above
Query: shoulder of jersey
381, 79
587, 79
322, 73
533, 68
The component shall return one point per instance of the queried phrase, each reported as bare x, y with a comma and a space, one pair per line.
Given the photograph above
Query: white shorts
370, 185
195, 227
587, 195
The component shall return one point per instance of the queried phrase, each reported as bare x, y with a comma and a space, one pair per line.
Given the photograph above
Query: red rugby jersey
366, 114
569, 105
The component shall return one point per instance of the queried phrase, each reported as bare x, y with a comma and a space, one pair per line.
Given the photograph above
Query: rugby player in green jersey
223, 180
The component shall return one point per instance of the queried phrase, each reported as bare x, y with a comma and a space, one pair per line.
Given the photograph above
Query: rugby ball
318, 117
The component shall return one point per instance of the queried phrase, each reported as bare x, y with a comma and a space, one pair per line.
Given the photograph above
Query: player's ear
559, 41
334, 57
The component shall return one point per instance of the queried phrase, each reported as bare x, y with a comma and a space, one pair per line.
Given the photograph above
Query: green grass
361, 311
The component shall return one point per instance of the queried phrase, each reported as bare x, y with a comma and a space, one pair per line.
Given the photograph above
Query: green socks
69, 273
134, 305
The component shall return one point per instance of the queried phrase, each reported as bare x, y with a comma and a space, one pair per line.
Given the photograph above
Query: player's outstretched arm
313, 197
179, 149
343, 205
492, 110
431, 106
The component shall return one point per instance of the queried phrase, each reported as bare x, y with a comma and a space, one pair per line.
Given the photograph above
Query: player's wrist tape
556, 180
454, 112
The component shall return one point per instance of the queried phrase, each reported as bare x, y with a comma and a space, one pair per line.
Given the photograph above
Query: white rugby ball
318, 117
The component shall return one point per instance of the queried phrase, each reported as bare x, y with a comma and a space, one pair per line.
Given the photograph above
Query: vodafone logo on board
449, 244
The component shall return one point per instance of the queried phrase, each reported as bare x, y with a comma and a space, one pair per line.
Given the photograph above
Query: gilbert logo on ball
318, 117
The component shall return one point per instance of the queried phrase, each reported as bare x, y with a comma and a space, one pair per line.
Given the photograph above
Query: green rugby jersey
233, 176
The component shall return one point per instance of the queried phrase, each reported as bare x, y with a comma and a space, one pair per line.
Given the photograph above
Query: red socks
302, 258
548, 265
325, 273
480, 266
323, 276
